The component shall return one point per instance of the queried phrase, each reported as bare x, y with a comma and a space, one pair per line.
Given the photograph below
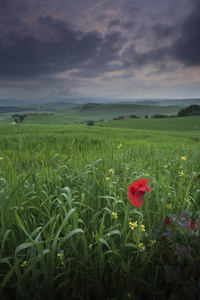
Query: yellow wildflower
165, 166
147, 174
108, 234
142, 228
168, 206
152, 242
24, 264
133, 225
107, 178
111, 171
120, 146
181, 173
1, 158
61, 256
114, 215
90, 246
141, 247
183, 158
187, 200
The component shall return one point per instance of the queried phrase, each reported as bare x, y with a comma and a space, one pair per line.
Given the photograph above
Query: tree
90, 123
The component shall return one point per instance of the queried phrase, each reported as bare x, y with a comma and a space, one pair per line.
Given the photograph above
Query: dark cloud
55, 47
15, 14
102, 18
35, 44
65, 49
184, 45
106, 58
187, 47
133, 58
131, 8
114, 23
9, 7
128, 25
162, 31
121, 24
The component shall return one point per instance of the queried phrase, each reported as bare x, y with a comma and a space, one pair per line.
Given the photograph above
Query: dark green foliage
90, 123
133, 116
19, 118
158, 116
192, 110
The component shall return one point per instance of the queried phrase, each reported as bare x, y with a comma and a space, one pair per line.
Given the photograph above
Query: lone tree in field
90, 123
19, 118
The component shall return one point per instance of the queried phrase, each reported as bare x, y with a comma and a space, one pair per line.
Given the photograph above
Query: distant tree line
159, 116
89, 106
20, 118
126, 117
192, 110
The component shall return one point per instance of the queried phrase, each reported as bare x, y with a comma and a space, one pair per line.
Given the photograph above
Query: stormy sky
112, 49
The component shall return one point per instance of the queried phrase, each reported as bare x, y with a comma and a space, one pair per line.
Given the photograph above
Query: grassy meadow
191, 125
67, 227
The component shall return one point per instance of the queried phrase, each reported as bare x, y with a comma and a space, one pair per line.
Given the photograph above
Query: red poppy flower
192, 224
167, 221
137, 190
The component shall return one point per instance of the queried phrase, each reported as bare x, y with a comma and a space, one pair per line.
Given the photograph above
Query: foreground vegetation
68, 229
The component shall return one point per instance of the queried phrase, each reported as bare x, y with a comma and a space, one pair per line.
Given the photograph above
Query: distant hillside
78, 101
170, 102
113, 110
68, 113
8, 109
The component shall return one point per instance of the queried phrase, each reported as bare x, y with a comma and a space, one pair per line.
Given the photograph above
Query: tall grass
67, 224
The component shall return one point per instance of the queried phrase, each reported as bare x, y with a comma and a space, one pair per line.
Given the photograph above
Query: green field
70, 114
67, 227
190, 124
